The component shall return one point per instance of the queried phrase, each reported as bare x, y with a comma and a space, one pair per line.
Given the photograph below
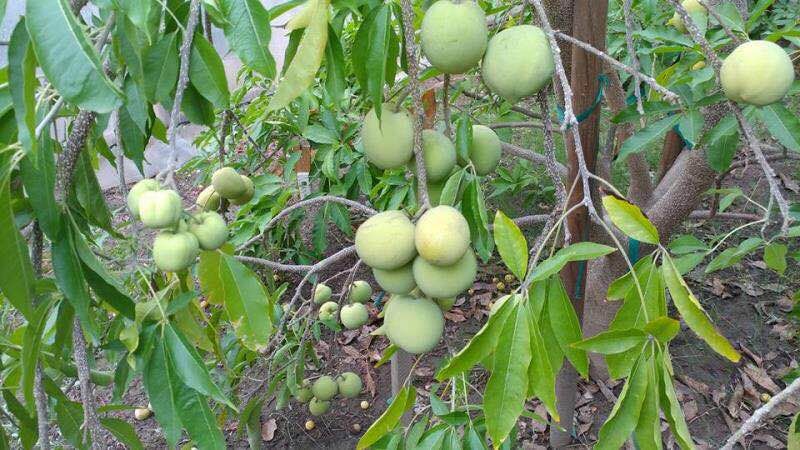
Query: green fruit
386, 240
210, 230
442, 235
445, 281
354, 316
692, 7
322, 293
518, 62
318, 407
349, 384
453, 35
439, 154
136, 192
388, 143
160, 209
208, 199
324, 388
304, 393
248, 194
396, 281
446, 304
174, 251
757, 73
228, 183
360, 292
413, 324
485, 150
328, 311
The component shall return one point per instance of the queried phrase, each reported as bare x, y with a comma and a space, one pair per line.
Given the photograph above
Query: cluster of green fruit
181, 235
229, 184
319, 394
352, 315
416, 264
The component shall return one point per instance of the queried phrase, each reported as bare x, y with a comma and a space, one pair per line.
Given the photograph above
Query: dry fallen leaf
698, 386
735, 402
268, 430
690, 410
771, 441
761, 378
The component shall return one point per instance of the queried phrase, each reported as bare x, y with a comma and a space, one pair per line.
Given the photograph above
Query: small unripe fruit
509, 278
364, 404
328, 311
356, 428
500, 286
386, 240
413, 324
396, 281
388, 142
439, 154
322, 293
360, 292
142, 413
210, 230
136, 192
208, 200
757, 72
485, 150
160, 209
318, 407
325, 388
454, 35
692, 7
304, 393
354, 316
442, 235
173, 252
228, 183
445, 281
518, 62
349, 384
248, 193
310, 424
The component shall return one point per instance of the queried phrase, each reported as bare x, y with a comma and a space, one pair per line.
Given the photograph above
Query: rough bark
673, 145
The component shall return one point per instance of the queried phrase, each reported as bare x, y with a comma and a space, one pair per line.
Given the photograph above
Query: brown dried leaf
454, 315
690, 410
761, 378
268, 430
735, 402
352, 352
771, 441
697, 386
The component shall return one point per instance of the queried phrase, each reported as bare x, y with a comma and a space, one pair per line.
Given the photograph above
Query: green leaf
133, 124
197, 417
248, 33
693, 313
793, 435
473, 207
123, 431
672, 409
579, 251
463, 137
511, 244
451, 188
614, 341
402, 402
756, 13
566, 326
691, 126
630, 220
647, 136
507, 388
67, 57
782, 124
22, 83
31, 343
721, 143
664, 329
733, 255
686, 244
207, 73
370, 53
39, 179
157, 377
303, 68
230, 283
90, 195
541, 376
69, 415
160, 67
335, 67
648, 429
17, 278
775, 257
625, 414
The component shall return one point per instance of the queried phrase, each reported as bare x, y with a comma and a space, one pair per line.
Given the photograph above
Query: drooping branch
532, 156
761, 414
498, 125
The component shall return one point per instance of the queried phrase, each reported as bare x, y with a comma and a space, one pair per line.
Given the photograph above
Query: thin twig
91, 424
626, 8
761, 414
515, 108
532, 156
498, 125
448, 130
274, 265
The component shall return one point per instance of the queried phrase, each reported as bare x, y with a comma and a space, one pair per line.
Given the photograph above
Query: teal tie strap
602, 81
633, 250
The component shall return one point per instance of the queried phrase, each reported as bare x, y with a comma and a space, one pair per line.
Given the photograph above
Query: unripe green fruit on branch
160, 209
518, 62
322, 293
318, 407
210, 230
439, 154
349, 384
360, 292
485, 150
208, 199
228, 183
304, 393
388, 143
413, 324
442, 235
354, 316
174, 251
386, 240
453, 35
757, 73
396, 281
328, 311
136, 192
248, 193
325, 388
693, 7
445, 281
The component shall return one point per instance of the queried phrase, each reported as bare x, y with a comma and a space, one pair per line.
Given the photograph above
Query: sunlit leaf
511, 244
630, 220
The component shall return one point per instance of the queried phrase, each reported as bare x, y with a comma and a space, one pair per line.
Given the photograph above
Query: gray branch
532, 156
762, 413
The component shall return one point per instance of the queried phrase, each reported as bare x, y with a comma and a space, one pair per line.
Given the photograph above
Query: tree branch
448, 130
762, 413
532, 156
498, 125
91, 424
299, 268
519, 109
67, 159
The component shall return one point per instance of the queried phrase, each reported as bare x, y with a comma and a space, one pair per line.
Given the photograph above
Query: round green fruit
325, 388
349, 384
445, 281
692, 7
446, 304
453, 35
304, 393
248, 193
360, 292
173, 252
758, 73
328, 311
388, 142
518, 62
136, 192
322, 293
413, 324
228, 183
208, 199
396, 281
442, 235
439, 154
318, 407
210, 230
485, 150
353, 316
386, 240
160, 209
